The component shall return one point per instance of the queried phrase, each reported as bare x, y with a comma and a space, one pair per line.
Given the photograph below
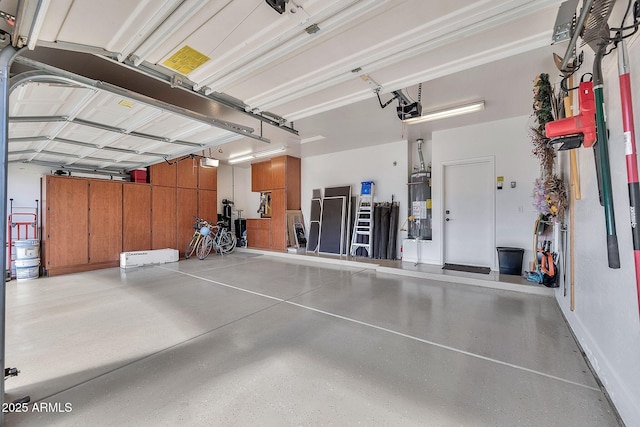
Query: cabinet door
187, 209
257, 177
208, 205
163, 217
163, 174
105, 221
208, 178
278, 220
188, 173
258, 233
136, 217
293, 183
278, 169
67, 221
267, 180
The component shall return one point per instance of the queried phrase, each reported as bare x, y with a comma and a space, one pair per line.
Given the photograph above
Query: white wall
23, 185
386, 165
507, 142
234, 183
606, 320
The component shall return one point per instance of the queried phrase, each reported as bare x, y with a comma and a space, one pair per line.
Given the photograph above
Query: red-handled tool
579, 129
630, 153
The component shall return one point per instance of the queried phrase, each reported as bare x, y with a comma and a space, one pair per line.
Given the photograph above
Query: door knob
447, 219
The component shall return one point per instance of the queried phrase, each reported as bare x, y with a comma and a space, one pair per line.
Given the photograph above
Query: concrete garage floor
253, 339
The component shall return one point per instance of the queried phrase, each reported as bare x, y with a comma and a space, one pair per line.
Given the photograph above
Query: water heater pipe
420, 141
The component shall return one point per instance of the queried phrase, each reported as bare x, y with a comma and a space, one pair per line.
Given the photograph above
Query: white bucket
27, 249
27, 269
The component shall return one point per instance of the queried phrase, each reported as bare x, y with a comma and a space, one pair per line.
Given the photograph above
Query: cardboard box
140, 258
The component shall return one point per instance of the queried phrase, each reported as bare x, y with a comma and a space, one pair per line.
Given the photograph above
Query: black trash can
510, 260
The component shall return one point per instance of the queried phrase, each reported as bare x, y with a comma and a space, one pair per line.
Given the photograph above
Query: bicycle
222, 240
202, 229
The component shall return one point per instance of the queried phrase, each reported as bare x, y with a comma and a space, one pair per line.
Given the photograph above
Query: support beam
7, 55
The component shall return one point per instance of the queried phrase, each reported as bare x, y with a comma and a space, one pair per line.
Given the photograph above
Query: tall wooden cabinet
105, 215
87, 223
65, 223
281, 177
136, 217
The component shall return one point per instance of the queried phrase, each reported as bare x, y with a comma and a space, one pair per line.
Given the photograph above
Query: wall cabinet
208, 179
136, 217
281, 177
87, 223
187, 173
163, 217
65, 222
163, 174
261, 176
105, 217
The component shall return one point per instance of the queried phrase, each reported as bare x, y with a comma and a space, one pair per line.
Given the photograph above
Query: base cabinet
88, 222
259, 233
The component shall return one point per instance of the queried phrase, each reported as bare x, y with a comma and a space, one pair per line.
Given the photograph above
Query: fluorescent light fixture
447, 112
269, 152
241, 159
256, 155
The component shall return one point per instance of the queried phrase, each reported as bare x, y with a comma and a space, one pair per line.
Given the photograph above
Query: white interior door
469, 226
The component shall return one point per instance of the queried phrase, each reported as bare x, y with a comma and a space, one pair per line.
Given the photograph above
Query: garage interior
124, 121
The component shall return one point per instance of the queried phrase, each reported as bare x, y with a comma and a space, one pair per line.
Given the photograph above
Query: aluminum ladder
363, 225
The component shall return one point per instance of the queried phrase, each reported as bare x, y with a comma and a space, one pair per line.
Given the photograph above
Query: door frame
491, 160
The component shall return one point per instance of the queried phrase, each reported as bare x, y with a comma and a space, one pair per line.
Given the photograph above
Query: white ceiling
264, 63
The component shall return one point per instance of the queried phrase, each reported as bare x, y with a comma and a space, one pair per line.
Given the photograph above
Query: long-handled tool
596, 35
630, 152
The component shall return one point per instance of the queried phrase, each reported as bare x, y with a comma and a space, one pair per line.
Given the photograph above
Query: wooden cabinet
259, 233
281, 177
261, 176
136, 217
187, 173
208, 205
65, 222
278, 220
163, 217
187, 209
208, 178
292, 186
105, 221
278, 172
163, 174
87, 222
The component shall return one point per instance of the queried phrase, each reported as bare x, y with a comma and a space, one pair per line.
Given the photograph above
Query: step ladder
363, 225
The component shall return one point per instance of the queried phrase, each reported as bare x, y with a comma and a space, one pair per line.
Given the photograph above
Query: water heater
420, 201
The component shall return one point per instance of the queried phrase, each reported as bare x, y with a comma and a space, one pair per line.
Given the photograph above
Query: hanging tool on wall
596, 35
628, 128
631, 156
593, 27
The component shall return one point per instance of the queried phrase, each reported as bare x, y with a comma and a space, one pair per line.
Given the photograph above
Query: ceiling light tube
250, 156
240, 159
269, 152
446, 113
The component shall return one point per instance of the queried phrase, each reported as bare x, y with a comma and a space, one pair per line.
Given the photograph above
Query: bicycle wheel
227, 242
204, 248
191, 247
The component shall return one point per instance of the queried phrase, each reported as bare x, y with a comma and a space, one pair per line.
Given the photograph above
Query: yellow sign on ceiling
186, 60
